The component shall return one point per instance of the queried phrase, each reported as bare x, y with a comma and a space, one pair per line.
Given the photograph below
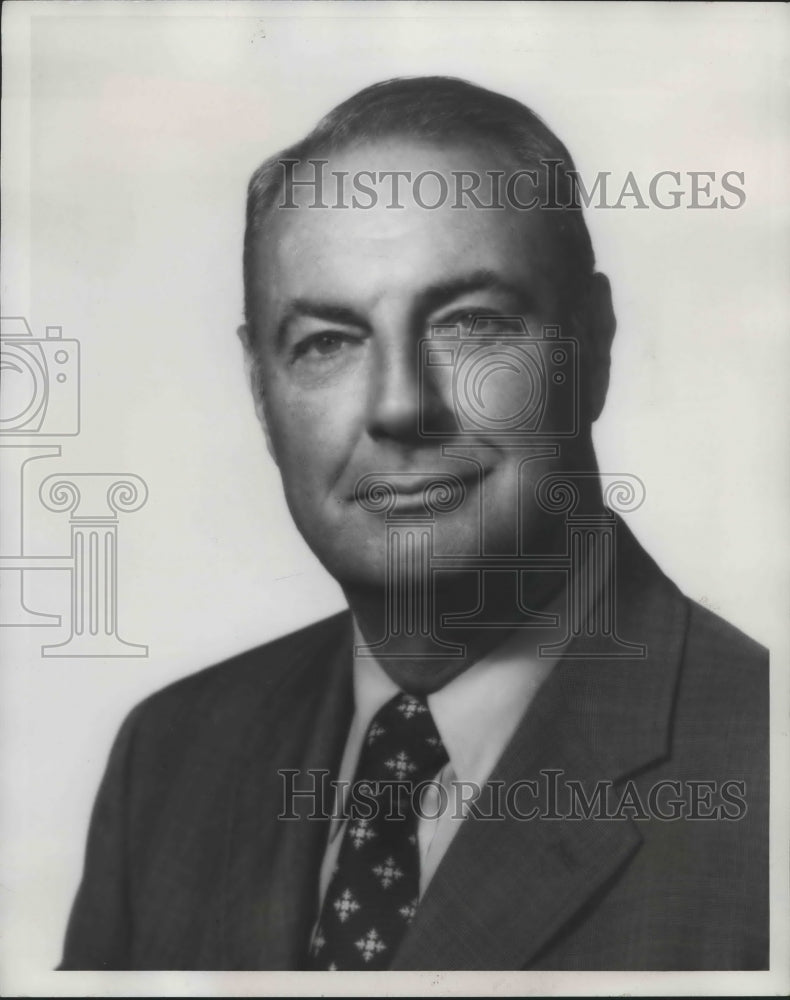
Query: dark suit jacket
188, 867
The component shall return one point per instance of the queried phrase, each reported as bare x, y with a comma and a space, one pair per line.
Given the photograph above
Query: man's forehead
400, 172
365, 221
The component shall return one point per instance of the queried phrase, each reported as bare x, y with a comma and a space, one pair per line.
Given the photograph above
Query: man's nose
394, 405
401, 404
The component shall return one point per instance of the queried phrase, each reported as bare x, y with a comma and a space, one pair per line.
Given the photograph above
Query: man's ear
253, 368
597, 325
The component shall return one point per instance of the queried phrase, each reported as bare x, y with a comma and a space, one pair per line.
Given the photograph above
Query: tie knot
402, 742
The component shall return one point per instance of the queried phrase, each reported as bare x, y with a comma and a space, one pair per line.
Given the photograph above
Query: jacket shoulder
224, 695
711, 639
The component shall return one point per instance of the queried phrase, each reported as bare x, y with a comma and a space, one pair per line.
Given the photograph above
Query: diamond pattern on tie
374, 732
371, 944
373, 893
409, 707
345, 905
360, 831
401, 766
387, 873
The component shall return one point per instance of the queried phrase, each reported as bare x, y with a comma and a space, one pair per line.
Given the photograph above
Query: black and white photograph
395, 443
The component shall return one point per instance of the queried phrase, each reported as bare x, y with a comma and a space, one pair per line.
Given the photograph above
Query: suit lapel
272, 868
507, 887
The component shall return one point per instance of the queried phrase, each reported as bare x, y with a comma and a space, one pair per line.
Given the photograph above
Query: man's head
341, 301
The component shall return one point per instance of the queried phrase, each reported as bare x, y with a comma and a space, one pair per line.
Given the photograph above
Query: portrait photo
395, 490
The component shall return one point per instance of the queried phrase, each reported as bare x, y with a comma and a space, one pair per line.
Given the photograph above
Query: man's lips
409, 487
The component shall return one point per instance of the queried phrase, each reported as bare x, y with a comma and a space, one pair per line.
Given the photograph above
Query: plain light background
130, 131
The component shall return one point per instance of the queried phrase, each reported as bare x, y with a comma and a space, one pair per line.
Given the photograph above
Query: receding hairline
443, 111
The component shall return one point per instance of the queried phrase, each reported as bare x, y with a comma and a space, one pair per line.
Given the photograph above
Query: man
523, 748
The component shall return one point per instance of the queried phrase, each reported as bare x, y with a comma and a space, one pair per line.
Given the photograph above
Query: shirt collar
477, 712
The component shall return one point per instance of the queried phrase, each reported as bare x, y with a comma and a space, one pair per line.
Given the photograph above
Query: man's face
343, 300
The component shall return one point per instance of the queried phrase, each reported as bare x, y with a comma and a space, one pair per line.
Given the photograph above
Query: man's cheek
293, 431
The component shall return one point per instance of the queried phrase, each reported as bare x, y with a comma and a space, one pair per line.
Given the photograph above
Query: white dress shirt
476, 714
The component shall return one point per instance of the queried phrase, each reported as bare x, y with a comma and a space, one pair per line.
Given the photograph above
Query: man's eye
321, 345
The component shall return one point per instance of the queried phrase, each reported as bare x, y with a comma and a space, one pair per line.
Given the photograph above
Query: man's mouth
432, 492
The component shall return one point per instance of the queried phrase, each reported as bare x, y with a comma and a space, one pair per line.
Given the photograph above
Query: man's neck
413, 659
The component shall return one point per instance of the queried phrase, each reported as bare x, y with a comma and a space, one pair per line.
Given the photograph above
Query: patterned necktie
372, 895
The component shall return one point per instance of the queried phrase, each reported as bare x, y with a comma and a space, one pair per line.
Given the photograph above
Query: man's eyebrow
329, 312
476, 281
429, 299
